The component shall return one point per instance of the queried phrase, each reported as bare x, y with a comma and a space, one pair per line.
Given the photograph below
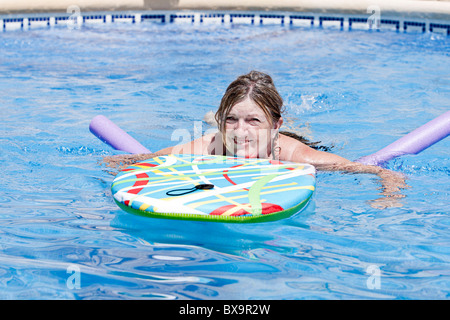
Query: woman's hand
391, 182
121, 161
391, 185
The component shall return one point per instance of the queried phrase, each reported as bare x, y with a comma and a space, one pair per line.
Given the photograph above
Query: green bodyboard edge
274, 216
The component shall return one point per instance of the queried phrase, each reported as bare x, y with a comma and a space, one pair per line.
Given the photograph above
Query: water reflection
228, 238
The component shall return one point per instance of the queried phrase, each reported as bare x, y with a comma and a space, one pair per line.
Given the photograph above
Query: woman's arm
121, 161
391, 182
204, 145
198, 146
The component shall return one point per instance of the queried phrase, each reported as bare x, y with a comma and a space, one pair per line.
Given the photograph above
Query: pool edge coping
372, 21
406, 8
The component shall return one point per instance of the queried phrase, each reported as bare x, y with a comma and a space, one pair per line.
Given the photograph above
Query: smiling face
249, 115
248, 132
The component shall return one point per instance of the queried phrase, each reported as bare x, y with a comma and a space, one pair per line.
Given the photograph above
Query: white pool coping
396, 15
401, 8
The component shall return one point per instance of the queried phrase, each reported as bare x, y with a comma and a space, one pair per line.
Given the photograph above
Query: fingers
386, 202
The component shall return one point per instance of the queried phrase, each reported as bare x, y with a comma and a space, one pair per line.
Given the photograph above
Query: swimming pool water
62, 236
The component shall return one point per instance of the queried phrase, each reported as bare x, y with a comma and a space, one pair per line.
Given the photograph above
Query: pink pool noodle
412, 143
110, 133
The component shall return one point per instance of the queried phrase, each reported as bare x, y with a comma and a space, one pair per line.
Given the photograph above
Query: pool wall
401, 15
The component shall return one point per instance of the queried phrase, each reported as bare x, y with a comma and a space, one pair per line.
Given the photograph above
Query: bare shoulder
293, 150
296, 151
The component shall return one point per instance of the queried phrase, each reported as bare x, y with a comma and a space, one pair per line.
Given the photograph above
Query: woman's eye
230, 119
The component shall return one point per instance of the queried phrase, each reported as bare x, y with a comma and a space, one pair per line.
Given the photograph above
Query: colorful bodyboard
214, 188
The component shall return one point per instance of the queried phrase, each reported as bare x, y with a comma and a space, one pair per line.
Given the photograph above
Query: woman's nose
240, 126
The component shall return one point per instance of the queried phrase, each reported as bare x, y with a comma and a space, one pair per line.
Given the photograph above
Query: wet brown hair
260, 88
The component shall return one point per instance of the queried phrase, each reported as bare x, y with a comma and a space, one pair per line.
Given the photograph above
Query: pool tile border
292, 19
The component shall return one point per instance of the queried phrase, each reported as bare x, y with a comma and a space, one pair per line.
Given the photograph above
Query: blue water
62, 236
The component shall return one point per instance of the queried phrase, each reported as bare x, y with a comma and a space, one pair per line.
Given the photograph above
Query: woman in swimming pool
249, 119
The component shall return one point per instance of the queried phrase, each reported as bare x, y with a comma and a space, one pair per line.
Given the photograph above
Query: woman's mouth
241, 141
